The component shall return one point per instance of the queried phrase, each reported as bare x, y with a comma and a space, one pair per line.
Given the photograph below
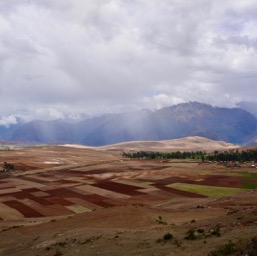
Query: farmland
53, 189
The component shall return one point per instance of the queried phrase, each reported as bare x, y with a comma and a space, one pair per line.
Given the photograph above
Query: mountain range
233, 125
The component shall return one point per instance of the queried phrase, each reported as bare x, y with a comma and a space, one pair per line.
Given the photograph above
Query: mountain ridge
233, 125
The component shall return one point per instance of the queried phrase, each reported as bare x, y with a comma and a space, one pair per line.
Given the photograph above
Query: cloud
73, 57
8, 120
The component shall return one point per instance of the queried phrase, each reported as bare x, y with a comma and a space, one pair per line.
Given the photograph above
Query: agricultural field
62, 200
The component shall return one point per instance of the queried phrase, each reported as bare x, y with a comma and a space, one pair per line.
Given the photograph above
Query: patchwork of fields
68, 191
79, 201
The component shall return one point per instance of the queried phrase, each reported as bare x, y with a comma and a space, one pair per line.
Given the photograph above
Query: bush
167, 237
7, 167
161, 221
216, 231
191, 234
225, 249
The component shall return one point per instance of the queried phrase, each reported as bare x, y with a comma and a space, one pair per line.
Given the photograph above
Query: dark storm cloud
61, 58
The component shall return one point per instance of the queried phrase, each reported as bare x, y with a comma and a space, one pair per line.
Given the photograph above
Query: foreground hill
232, 125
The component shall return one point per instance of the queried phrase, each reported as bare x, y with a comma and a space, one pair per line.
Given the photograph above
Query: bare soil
76, 201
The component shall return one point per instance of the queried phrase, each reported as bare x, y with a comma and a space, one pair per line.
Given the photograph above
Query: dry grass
184, 144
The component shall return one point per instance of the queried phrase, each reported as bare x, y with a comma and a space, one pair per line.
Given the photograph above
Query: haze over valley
232, 125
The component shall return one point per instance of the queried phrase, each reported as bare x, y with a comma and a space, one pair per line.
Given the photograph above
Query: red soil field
98, 200
33, 180
118, 187
24, 209
60, 201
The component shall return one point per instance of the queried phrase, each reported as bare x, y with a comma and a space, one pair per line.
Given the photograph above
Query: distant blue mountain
232, 125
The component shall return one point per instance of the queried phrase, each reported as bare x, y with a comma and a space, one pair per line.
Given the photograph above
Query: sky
71, 58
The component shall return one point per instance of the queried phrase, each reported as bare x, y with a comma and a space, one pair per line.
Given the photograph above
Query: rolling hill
184, 144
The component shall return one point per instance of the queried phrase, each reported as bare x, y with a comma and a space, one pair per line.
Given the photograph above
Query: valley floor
71, 201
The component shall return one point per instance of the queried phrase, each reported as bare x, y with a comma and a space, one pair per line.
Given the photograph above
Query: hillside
184, 144
194, 119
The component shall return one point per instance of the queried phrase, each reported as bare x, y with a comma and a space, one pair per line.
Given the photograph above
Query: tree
8, 166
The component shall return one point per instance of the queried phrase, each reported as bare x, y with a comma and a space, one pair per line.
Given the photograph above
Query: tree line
224, 156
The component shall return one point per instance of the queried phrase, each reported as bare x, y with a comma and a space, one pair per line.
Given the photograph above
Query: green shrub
249, 185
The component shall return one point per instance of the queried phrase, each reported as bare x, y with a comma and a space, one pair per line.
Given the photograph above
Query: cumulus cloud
65, 58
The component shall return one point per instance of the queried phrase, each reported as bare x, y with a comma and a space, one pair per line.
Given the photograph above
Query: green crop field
250, 185
248, 175
206, 190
